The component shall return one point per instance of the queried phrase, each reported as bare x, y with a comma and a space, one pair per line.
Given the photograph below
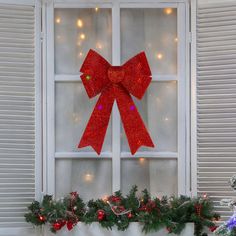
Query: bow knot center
116, 74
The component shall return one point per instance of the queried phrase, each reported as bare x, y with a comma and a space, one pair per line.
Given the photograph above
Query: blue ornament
231, 223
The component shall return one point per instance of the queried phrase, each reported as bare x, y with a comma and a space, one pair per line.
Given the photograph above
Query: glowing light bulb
82, 36
76, 117
166, 119
80, 23
99, 45
96, 9
168, 11
159, 56
176, 39
105, 198
141, 160
58, 20
80, 54
88, 178
205, 195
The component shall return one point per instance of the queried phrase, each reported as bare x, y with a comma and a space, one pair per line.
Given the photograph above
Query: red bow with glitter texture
115, 83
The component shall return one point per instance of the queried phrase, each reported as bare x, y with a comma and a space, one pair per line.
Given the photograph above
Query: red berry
213, 228
70, 225
100, 215
129, 215
42, 218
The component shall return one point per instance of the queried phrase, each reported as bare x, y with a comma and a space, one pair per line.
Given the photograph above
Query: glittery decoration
231, 222
115, 83
132, 108
88, 77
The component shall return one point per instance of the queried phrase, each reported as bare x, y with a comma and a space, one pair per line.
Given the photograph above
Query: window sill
134, 229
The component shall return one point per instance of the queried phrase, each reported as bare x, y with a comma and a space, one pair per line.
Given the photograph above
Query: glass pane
78, 30
158, 109
153, 31
158, 176
73, 109
91, 178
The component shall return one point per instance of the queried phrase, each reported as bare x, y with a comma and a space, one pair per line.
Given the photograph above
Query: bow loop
94, 75
137, 75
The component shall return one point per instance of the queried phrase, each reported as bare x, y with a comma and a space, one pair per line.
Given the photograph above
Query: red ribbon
115, 83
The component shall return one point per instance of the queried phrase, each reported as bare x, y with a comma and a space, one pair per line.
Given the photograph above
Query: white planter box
135, 229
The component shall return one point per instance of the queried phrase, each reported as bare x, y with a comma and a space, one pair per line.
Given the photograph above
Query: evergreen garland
118, 210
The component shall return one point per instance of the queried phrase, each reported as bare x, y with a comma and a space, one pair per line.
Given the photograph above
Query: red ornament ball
57, 226
130, 215
115, 199
101, 215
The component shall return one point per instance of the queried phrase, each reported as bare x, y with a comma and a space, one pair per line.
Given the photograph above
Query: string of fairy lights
99, 45
89, 176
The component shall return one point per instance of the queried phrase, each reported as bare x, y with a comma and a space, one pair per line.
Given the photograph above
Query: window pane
78, 30
158, 109
73, 109
153, 31
158, 176
91, 178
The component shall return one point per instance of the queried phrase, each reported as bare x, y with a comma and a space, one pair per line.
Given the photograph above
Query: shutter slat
17, 113
216, 102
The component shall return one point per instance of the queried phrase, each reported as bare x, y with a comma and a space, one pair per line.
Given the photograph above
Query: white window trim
20, 2
194, 98
183, 90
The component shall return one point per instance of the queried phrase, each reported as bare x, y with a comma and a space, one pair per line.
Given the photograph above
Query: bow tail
134, 126
96, 128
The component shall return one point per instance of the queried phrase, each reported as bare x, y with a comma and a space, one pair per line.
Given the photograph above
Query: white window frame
194, 98
50, 156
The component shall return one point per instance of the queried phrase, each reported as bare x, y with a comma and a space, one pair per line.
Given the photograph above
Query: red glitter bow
115, 83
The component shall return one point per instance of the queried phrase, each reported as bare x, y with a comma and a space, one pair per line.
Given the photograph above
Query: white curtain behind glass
76, 31
155, 32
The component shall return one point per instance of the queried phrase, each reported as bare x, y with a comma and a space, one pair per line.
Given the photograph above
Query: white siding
216, 101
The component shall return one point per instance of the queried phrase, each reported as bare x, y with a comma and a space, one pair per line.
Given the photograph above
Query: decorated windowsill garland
118, 210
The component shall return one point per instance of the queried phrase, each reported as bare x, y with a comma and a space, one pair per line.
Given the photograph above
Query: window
118, 31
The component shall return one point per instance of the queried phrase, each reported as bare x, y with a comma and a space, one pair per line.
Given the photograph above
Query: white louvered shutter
216, 101
17, 113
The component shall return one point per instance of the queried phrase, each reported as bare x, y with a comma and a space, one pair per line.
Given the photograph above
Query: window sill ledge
134, 229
